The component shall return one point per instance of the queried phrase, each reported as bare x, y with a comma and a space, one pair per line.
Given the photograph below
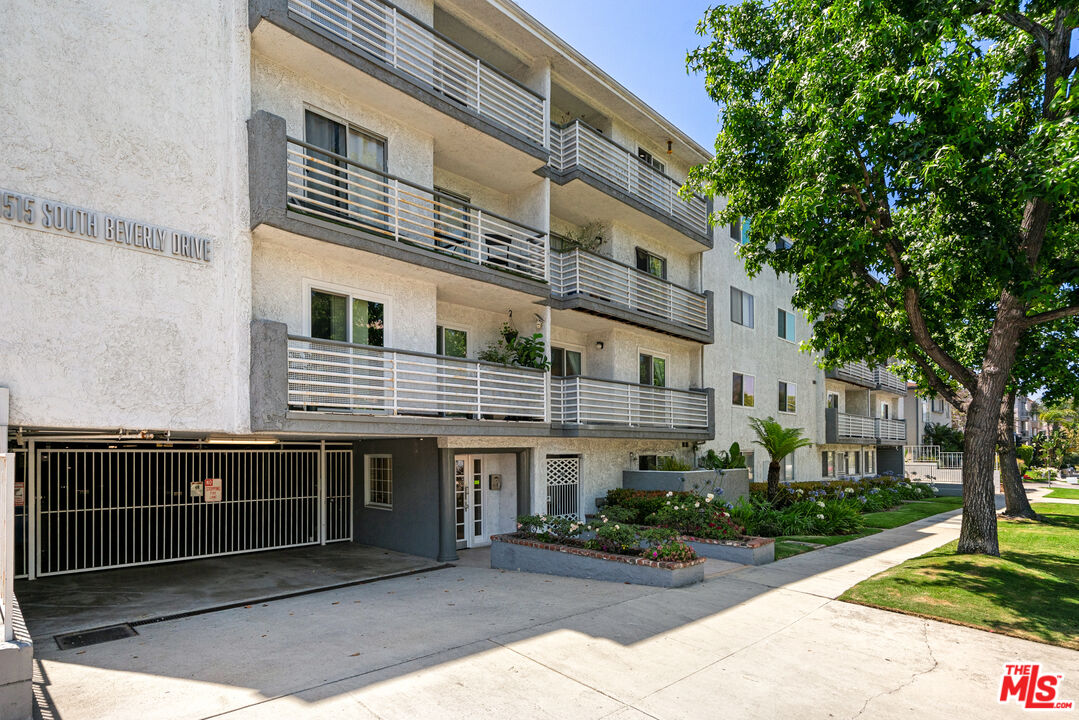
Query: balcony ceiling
459, 147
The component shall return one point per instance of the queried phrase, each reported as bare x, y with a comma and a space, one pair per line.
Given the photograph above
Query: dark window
741, 307
651, 263
742, 390
653, 370
565, 363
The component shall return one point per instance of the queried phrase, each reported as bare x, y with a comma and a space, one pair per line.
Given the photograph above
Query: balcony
581, 152
589, 406
302, 189
890, 382
592, 283
858, 373
861, 430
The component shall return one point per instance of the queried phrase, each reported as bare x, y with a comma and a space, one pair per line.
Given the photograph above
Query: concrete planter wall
509, 552
748, 551
734, 483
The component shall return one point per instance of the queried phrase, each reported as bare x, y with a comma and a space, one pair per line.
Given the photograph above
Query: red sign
212, 489
1032, 689
20, 493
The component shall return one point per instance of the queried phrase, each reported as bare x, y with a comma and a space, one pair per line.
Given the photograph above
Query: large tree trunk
979, 530
773, 481
1015, 496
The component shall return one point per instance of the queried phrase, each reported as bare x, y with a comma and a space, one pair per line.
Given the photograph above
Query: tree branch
1021, 21
937, 384
1051, 315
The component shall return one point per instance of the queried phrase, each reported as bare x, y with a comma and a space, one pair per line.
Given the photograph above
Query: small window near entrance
651, 462
347, 319
653, 370
378, 481
651, 263
565, 363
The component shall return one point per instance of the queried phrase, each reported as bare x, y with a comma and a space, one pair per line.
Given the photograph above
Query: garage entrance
95, 507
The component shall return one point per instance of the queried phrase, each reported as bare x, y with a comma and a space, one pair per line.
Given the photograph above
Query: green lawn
1064, 494
911, 511
1031, 591
789, 545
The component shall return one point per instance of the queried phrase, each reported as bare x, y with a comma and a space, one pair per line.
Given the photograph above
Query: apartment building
865, 427
1028, 421
281, 239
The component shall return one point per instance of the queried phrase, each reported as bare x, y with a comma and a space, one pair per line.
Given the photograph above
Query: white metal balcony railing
333, 188
921, 453
577, 144
393, 37
856, 426
577, 272
887, 380
858, 372
895, 430
328, 376
587, 401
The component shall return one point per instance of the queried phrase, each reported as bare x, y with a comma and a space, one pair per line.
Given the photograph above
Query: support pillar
447, 507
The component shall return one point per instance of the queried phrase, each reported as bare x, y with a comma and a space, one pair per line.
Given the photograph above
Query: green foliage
887, 486
673, 551
620, 514
1022, 466
588, 237
512, 348
696, 516
642, 502
670, 464
549, 528
1025, 453
833, 516
778, 442
948, 438
724, 459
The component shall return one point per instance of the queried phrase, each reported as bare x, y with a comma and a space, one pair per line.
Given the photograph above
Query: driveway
766, 642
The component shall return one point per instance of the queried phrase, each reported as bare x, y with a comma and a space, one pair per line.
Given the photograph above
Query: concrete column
447, 507
524, 482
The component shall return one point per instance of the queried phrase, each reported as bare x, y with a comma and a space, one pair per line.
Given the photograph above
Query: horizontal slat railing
577, 144
887, 380
888, 429
577, 272
333, 188
328, 376
588, 401
858, 372
857, 426
398, 40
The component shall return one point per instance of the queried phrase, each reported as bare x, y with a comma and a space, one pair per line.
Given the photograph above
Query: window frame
741, 304
367, 482
654, 355
350, 127
567, 347
639, 251
784, 393
310, 285
786, 321
829, 394
440, 339
753, 395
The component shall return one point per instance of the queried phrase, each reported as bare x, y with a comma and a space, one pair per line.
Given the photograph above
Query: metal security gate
563, 486
99, 508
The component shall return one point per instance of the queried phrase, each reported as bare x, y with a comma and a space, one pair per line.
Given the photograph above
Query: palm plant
778, 442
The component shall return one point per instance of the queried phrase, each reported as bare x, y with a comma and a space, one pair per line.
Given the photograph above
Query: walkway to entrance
66, 603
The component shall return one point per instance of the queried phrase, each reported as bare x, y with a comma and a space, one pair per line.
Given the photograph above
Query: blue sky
641, 44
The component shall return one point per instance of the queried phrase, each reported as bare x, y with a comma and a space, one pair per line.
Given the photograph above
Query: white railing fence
857, 371
921, 453
856, 426
576, 272
577, 144
7, 543
328, 376
394, 38
951, 460
895, 430
887, 380
336, 189
587, 401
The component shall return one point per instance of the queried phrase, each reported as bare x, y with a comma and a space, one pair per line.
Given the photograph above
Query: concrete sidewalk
762, 642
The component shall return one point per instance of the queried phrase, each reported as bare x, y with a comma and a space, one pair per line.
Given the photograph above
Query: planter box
509, 552
734, 483
748, 551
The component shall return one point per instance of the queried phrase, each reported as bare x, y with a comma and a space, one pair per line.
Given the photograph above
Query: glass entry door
471, 496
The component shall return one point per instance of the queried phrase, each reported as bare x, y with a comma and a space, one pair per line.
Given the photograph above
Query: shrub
840, 517
820, 490
674, 551
642, 502
612, 537
619, 514
1025, 453
549, 528
670, 464
724, 459
1022, 467
703, 517
805, 517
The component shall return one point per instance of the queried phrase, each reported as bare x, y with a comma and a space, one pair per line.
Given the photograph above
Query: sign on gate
196, 488
20, 493
213, 490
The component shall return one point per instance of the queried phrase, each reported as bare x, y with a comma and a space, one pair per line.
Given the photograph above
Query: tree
913, 165
778, 442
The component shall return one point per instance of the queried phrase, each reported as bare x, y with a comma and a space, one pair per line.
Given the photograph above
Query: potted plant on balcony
516, 350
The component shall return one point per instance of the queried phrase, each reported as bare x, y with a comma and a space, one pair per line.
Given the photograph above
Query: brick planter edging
748, 550
585, 552
749, 541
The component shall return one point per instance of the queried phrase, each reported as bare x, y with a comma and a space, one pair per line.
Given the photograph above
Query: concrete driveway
766, 642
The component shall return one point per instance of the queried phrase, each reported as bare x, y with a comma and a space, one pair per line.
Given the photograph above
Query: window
452, 221
783, 244
741, 307
452, 342
870, 462
833, 400
651, 263
648, 159
788, 395
357, 189
841, 463
937, 404
788, 468
378, 481
786, 325
651, 462
827, 463
885, 410
749, 463
565, 363
742, 390
653, 370
346, 318
740, 231
857, 457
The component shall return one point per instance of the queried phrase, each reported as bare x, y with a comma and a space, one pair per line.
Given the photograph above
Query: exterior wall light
599, 344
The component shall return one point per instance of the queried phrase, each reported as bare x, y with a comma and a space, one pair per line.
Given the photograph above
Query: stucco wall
138, 111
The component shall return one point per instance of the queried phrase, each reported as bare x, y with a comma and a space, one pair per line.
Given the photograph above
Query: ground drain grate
70, 641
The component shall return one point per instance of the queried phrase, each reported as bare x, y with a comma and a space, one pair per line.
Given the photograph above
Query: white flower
820, 503
848, 489
615, 527
696, 504
670, 494
820, 517
709, 497
798, 491
604, 521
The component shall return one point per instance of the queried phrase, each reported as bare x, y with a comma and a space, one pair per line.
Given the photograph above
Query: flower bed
747, 550
524, 552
